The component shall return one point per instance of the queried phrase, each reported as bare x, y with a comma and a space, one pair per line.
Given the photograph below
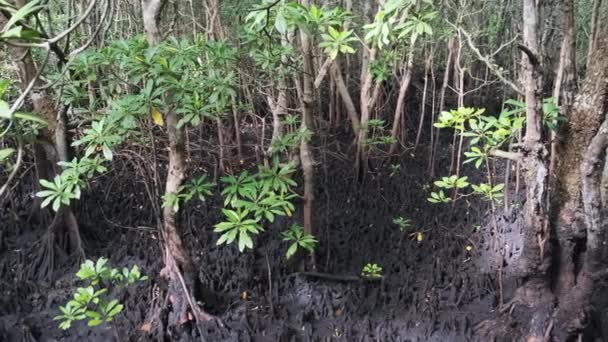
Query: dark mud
432, 290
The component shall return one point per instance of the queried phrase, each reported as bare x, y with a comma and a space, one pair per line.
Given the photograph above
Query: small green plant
371, 271
68, 185
452, 182
197, 187
295, 234
403, 223
395, 169
91, 302
100, 137
249, 200
438, 197
489, 192
237, 224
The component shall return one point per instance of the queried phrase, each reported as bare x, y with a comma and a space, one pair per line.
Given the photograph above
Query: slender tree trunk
444, 87
427, 67
347, 100
178, 267
306, 156
404, 86
595, 12
278, 107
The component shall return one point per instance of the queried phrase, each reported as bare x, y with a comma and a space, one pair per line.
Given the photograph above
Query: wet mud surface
435, 289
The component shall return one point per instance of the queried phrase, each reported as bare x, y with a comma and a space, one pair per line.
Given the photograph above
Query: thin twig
15, 168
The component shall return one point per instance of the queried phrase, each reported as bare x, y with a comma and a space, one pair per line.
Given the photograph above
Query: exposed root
62, 238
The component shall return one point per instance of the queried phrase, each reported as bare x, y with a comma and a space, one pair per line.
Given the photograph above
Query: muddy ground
432, 290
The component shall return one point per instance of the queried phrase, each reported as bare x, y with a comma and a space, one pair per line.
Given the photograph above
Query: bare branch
514, 156
30, 86
487, 60
323, 72
15, 168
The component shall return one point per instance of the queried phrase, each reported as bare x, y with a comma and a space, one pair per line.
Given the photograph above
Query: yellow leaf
244, 295
469, 248
419, 236
157, 116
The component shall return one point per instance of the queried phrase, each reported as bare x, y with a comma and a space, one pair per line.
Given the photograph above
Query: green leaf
5, 110
114, 308
23, 12
56, 204
222, 239
246, 240
46, 201
280, 23
223, 226
4, 84
231, 236
242, 241
231, 215
5, 153
30, 117
292, 250
65, 325
93, 314
94, 322
14, 32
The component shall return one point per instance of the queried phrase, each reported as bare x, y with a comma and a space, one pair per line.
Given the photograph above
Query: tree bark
178, 267
52, 146
306, 157
534, 292
404, 86
347, 100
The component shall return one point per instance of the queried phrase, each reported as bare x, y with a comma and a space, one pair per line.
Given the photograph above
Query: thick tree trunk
52, 146
534, 293
562, 307
580, 189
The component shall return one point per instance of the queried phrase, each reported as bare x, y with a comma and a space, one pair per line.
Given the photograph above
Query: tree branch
486, 60
323, 72
531, 56
15, 168
515, 156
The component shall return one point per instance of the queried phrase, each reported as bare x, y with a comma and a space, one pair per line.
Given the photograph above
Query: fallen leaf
146, 327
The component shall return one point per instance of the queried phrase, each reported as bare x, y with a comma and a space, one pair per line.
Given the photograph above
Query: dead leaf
146, 327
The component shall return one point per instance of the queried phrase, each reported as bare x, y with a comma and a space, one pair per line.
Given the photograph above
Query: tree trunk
347, 100
306, 157
534, 292
51, 146
567, 180
580, 190
178, 267
404, 86
444, 86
